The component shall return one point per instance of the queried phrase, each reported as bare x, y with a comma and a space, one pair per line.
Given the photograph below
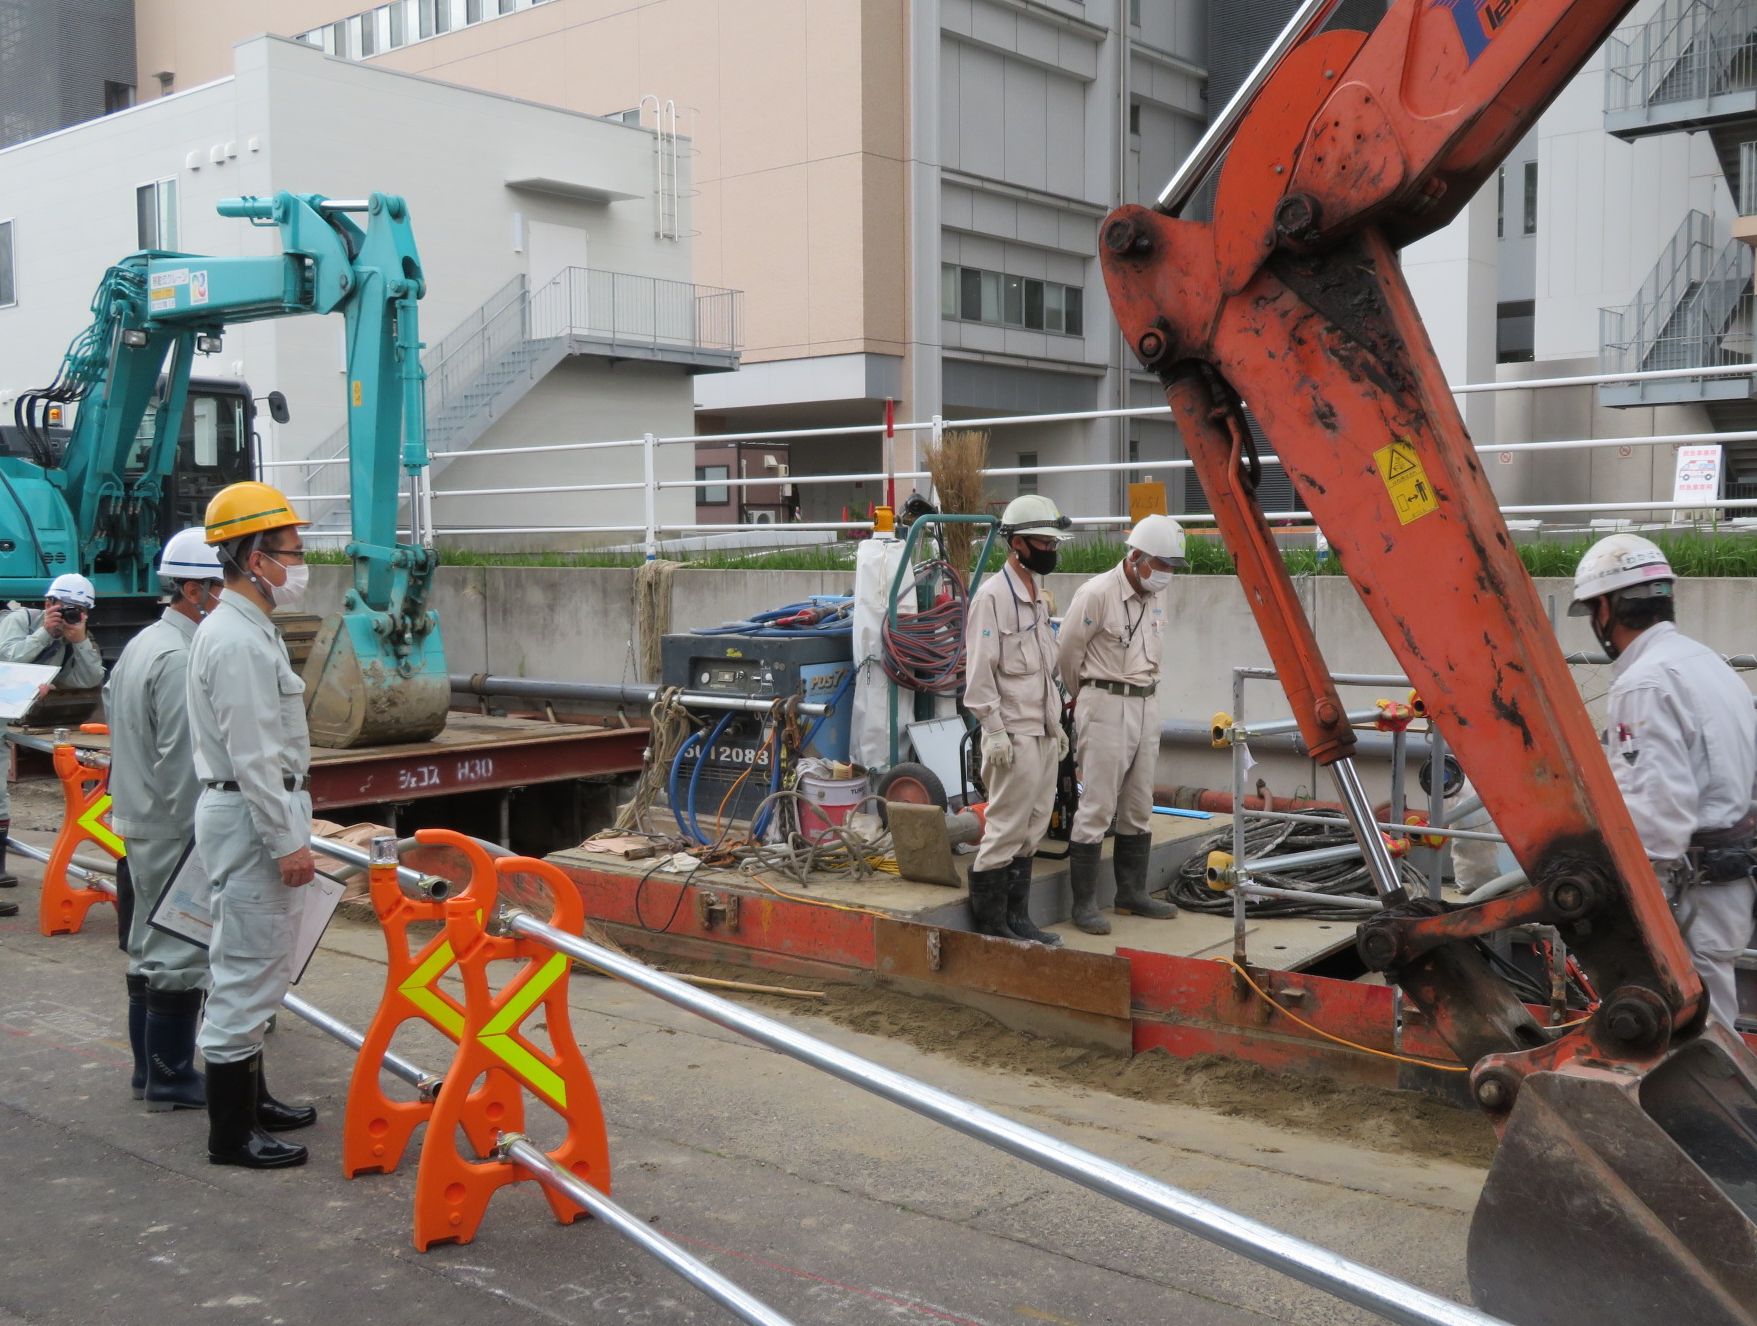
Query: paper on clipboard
19, 684
185, 909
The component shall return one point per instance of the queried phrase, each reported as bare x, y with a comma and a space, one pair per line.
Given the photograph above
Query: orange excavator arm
1342, 149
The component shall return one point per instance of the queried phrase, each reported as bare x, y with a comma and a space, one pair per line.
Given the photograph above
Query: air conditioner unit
760, 518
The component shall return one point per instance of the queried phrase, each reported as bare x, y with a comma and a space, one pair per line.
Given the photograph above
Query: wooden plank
1095, 983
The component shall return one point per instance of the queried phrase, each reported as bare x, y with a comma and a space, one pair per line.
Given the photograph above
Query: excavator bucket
1619, 1197
358, 692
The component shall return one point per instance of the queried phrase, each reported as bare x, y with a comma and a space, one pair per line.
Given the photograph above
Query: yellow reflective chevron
419, 992
497, 1037
95, 823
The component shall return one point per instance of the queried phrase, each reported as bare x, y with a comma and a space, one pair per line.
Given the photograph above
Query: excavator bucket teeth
1626, 1198
359, 693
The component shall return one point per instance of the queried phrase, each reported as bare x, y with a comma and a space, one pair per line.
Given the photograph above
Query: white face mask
291, 593
1154, 581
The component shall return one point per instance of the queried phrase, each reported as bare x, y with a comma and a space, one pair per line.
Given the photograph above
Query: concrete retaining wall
577, 624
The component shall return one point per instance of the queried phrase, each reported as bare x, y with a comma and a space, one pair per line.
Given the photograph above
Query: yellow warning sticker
1412, 496
359, 393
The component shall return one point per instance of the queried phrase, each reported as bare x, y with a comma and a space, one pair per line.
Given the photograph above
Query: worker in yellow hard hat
253, 821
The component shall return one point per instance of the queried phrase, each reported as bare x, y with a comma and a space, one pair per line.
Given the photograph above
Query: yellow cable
1319, 1031
820, 902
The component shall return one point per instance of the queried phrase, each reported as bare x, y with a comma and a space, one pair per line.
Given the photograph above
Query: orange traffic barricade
85, 789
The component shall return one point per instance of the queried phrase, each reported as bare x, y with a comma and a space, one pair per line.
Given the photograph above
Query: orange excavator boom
1633, 1135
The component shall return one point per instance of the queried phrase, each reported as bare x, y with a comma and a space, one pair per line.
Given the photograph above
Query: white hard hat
1161, 537
73, 589
1036, 515
1625, 562
189, 556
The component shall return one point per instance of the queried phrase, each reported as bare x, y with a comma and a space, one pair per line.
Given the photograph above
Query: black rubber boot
988, 902
233, 1137
8, 907
1018, 905
1083, 861
8, 880
1132, 851
172, 1081
137, 1034
276, 1116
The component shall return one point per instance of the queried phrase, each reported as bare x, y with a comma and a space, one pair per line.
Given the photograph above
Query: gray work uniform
153, 789
1681, 736
23, 640
247, 721
1114, 635
1010, 686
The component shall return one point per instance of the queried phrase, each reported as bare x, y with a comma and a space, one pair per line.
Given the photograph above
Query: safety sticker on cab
1412, 496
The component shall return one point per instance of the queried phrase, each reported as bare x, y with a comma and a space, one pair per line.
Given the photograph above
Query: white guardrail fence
651, 527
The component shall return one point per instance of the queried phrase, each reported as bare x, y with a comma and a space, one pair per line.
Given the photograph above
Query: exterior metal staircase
485, 365
1693, 65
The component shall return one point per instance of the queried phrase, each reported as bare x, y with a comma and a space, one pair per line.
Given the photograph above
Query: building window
709, 474
8, 292
155, 214
1134, 451
971, 295
1027, 482
1501, 203
627, 117
1135, 118
117, 97
399, 25
506, 6
1515, 331
1134, 13
338, 40
472, 11
1531, 197
368, 42
442, 16
424, 18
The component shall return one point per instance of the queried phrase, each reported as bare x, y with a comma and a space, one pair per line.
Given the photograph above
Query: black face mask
1040, 561
1603, 634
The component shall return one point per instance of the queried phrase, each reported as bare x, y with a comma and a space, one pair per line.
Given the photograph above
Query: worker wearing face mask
154, 790
1110, 646
57, 635
253, 822
1010, 688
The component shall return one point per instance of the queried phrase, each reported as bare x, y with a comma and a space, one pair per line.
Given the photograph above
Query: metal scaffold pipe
395, 1063
531, 688
1385, 1295
516, 1148
91, 877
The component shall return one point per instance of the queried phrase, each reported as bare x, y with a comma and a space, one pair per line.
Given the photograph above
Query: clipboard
185, 909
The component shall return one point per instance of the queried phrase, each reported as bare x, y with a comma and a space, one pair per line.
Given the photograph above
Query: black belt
288, 781
1119, 687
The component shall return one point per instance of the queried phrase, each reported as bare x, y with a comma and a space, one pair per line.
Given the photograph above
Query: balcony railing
636, 310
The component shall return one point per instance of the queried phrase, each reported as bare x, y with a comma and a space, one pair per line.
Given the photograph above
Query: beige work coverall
247, 717
1112, 633
1010, 686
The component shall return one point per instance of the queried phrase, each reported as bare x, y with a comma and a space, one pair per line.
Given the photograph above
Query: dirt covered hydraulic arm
1643, 1119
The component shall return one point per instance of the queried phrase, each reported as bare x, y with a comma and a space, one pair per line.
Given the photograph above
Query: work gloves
997, 750
1061, 743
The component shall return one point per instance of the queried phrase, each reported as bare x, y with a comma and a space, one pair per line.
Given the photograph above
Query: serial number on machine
473, 770
757, 755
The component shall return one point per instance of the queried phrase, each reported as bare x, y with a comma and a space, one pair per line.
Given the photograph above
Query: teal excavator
376, 673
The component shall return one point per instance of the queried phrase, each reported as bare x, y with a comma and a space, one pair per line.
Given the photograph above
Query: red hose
924, 651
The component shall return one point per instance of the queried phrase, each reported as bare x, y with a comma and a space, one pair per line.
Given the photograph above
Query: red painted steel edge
663, 904
400, 774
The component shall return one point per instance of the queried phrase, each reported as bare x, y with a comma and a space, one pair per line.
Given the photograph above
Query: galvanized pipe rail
1331, 1272
531, 688
92, 879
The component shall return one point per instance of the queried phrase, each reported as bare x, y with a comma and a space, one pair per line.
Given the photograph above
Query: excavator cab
1625, 1187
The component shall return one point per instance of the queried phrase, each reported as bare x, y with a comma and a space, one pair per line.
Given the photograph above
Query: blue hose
839, 621
762, 822
695, 775
671, 784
